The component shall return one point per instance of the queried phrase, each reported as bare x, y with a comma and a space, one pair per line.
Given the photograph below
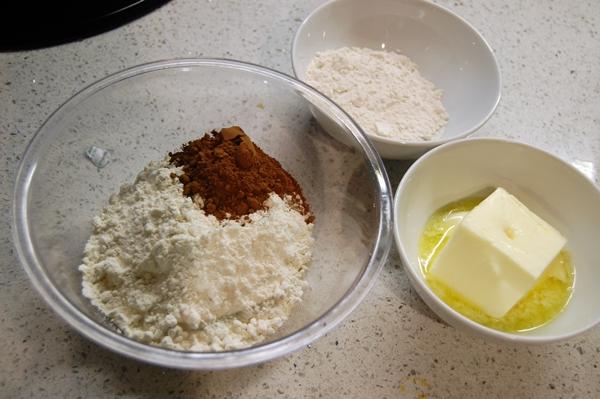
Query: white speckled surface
392, 346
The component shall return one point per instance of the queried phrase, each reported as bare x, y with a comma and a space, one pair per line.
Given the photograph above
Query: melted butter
543, 303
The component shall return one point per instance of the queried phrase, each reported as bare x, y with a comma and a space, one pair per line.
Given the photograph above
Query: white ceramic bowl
547, 185
449, 52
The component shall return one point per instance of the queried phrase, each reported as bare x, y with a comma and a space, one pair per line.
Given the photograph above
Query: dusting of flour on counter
382, 90
168, 274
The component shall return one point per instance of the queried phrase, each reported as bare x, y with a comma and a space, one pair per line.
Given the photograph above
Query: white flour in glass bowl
166, 273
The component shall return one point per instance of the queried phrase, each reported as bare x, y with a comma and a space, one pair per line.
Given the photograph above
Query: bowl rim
200, 360
416, 277
415, 145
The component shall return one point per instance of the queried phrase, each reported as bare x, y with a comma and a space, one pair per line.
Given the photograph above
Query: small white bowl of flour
412, 74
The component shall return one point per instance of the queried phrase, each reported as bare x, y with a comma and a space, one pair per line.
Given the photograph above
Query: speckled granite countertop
392, 346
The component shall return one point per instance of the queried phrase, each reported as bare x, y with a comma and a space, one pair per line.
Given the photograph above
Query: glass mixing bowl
141, 114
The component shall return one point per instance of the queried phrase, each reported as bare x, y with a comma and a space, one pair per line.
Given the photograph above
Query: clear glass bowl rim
200, 360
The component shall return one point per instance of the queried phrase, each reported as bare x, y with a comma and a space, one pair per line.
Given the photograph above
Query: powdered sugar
167, 274
382, 90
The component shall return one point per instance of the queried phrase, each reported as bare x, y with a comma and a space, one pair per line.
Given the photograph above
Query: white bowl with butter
546, 185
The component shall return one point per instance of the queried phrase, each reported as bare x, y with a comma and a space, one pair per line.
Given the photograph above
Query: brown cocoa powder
233, 176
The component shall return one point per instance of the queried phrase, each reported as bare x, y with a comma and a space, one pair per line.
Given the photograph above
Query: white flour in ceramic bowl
382, 90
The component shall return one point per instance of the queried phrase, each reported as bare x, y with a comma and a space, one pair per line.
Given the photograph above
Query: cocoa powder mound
233, 176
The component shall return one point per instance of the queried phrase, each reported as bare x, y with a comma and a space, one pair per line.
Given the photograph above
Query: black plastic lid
34, 24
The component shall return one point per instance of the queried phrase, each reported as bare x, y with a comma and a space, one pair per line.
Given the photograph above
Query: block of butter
497, 253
